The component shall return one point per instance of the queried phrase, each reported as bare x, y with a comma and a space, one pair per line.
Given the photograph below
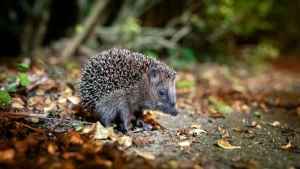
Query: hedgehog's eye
161, 92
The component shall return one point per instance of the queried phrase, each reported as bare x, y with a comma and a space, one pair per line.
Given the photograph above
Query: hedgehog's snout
174, 113
168, 108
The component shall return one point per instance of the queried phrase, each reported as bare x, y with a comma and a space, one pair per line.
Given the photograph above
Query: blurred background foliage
182, 31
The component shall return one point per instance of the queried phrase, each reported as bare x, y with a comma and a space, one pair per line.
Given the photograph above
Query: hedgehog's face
162, 92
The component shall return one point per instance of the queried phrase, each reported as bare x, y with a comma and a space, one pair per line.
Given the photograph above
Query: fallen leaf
275, 124
74, 137
239, 129
35, 100
246, 108
51, 107
88, 129
223, 132
74, 99
17, 99
61, 100
51, 149
4, 98
264, 107
102, 132
289, 145
196, 132
184, 143
7, 154
144, 155
34, 119
138, 142
40, 92
196, 126
226, 145
254, 123
17, 105
257, 114
182, 137
125, 141
220, 107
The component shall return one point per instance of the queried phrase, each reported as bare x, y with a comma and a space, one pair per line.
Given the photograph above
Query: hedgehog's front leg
105, 114
126, 118
140, 121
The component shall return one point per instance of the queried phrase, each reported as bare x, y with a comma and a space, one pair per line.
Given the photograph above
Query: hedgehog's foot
146, 126
126, 124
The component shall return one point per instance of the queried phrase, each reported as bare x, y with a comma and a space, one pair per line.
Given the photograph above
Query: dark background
184, 31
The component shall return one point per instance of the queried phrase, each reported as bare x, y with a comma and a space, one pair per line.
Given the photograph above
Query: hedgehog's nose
174, 113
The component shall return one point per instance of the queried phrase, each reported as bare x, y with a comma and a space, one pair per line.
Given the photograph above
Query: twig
87, 27
40, 116
133, 8
181, 33
42, 28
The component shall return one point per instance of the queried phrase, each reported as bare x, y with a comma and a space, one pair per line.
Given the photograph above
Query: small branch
133, 8
42, 28
87, 27
181, 33
41, 116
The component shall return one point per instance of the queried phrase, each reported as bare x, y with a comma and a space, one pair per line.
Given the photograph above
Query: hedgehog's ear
153, 76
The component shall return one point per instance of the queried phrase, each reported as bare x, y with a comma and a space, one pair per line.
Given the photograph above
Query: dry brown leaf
250, 131
264, 107
61, 100
89, 128
17, 99
239, 129
226, 145
47, 84
48, 100
51, 107
125, 141
289, 145
275, 124
102, 132
254, 123
182, 137
21, 146
35, 100
223, 132
74, 137
258, 126
40, 92
34, 119
197, 132
51, 149
196, 126
17, 105
184, 143
144, 155
74, 99
246, 108
7, 154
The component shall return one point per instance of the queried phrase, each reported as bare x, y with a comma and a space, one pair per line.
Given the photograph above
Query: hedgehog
116, 85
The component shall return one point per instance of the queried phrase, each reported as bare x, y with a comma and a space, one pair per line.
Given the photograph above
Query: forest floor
229, 117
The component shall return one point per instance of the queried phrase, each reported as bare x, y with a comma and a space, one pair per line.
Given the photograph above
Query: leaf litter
42, 113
